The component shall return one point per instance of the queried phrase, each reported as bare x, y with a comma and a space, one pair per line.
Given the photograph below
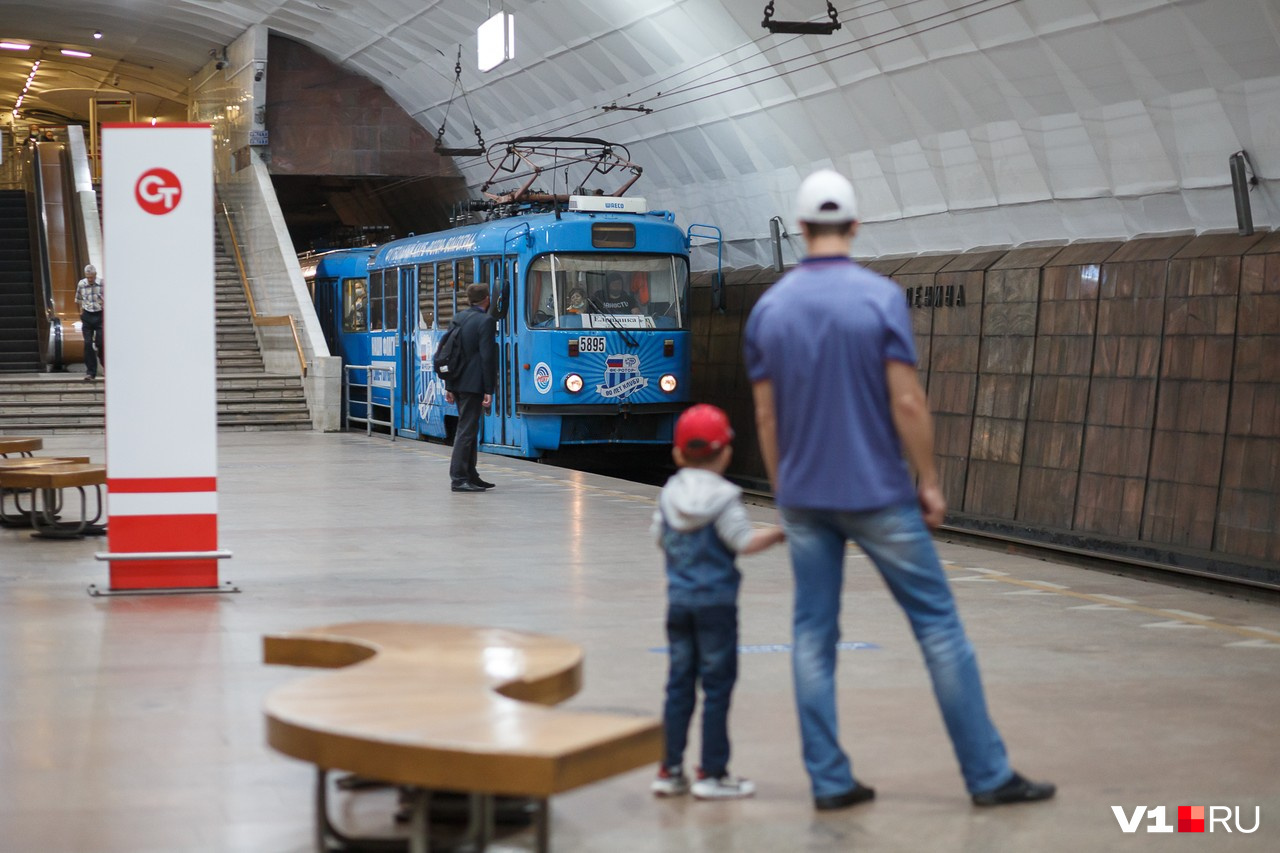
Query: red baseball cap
702, 431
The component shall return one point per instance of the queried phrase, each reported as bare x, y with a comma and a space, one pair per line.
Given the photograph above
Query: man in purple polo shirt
831, 358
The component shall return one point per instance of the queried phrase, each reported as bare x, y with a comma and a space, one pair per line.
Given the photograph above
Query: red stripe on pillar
158, 485
134, 534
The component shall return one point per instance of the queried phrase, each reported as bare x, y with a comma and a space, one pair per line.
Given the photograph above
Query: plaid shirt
89, 295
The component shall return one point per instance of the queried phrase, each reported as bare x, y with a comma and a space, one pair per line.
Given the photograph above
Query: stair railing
275, 320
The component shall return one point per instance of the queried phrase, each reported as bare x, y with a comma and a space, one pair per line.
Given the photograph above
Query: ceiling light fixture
13, 45
97, 34
496, 41
80, 53
35, 66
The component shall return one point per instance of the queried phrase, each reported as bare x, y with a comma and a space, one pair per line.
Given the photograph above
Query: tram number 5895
591, 343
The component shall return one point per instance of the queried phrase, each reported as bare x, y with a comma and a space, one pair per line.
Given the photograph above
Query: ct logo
158, 191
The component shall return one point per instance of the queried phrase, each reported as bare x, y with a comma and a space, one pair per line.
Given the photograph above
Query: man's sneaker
1016, 790
724, 787
670, 782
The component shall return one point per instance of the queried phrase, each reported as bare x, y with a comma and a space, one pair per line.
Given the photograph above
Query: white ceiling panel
962, 122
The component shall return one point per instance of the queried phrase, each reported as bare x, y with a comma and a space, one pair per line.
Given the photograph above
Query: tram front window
597, 291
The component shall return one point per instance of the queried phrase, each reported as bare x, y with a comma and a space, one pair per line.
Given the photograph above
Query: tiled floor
134, 725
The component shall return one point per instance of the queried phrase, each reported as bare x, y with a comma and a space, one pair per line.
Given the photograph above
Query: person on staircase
89, 298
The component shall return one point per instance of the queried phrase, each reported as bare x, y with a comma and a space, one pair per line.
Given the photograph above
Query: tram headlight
573, 383
668, 383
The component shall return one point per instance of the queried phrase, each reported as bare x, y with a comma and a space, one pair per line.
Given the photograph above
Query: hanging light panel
496, 41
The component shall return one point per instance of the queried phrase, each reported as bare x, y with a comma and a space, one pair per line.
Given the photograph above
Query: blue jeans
703, 643
897, 541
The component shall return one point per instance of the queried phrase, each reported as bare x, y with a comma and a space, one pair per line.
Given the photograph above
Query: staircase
19, 345
248, 398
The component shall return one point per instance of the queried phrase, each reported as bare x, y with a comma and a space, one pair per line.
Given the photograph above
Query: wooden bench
21, 517
45, 479
447, 708
23, 445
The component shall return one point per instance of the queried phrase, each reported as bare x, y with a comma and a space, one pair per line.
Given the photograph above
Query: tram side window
355, 304
426, 295
466, 276
375, 301
391, 299
444, 294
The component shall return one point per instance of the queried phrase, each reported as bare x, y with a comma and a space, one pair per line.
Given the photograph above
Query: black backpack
447, 362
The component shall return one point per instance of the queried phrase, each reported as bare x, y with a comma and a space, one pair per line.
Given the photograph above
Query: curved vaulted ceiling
963, 123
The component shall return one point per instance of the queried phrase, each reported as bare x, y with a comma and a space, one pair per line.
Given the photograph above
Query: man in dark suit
473, 387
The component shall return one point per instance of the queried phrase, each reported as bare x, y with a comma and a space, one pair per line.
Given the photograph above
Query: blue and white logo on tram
621, 376
542, 377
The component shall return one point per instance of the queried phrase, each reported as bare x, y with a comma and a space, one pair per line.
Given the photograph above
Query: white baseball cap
826, 196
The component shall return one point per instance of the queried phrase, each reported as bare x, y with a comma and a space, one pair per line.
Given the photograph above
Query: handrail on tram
273, 320
717, 282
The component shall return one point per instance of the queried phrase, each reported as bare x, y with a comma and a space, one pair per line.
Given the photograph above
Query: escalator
19, 344
62, 249
43, 247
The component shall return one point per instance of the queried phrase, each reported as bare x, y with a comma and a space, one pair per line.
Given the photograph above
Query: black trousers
466, 441
94, 344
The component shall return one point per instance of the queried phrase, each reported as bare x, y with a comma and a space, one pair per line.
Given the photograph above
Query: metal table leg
47, 503
330, 840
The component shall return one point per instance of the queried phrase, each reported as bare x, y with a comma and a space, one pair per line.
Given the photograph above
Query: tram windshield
604, 291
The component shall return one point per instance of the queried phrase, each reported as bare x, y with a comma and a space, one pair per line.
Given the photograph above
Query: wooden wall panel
1249, 504
746, 450
700, 335
915, 276
953, 376
1067, 318
1005, 367
1122, 395
1126, 391
1194, 390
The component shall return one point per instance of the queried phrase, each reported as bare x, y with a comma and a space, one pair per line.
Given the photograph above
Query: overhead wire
775, 44
784, 68
1000, 4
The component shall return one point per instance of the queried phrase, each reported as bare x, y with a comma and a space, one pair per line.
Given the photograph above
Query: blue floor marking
773, 648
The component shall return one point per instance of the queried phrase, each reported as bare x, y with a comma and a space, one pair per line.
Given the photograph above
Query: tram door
408, 363
499, 426
325, 296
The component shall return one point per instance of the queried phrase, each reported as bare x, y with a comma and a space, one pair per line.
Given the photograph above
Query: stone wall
1119, 397
325, 120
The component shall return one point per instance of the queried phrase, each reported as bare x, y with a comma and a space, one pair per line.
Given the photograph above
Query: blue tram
592, 314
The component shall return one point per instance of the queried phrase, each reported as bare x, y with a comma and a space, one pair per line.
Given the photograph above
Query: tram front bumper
553, 427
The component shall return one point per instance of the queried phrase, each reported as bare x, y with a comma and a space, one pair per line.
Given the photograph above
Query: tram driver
616, 299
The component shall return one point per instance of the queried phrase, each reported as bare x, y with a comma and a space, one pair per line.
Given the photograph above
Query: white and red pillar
161, 403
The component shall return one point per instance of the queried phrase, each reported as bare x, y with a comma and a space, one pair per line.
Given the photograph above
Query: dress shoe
853, 796
481, 483
467, 487
1016, 790
89, 377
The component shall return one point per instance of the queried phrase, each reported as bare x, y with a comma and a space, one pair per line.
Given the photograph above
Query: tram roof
489, 238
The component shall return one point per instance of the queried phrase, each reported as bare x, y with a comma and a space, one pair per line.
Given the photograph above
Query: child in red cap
701, 524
